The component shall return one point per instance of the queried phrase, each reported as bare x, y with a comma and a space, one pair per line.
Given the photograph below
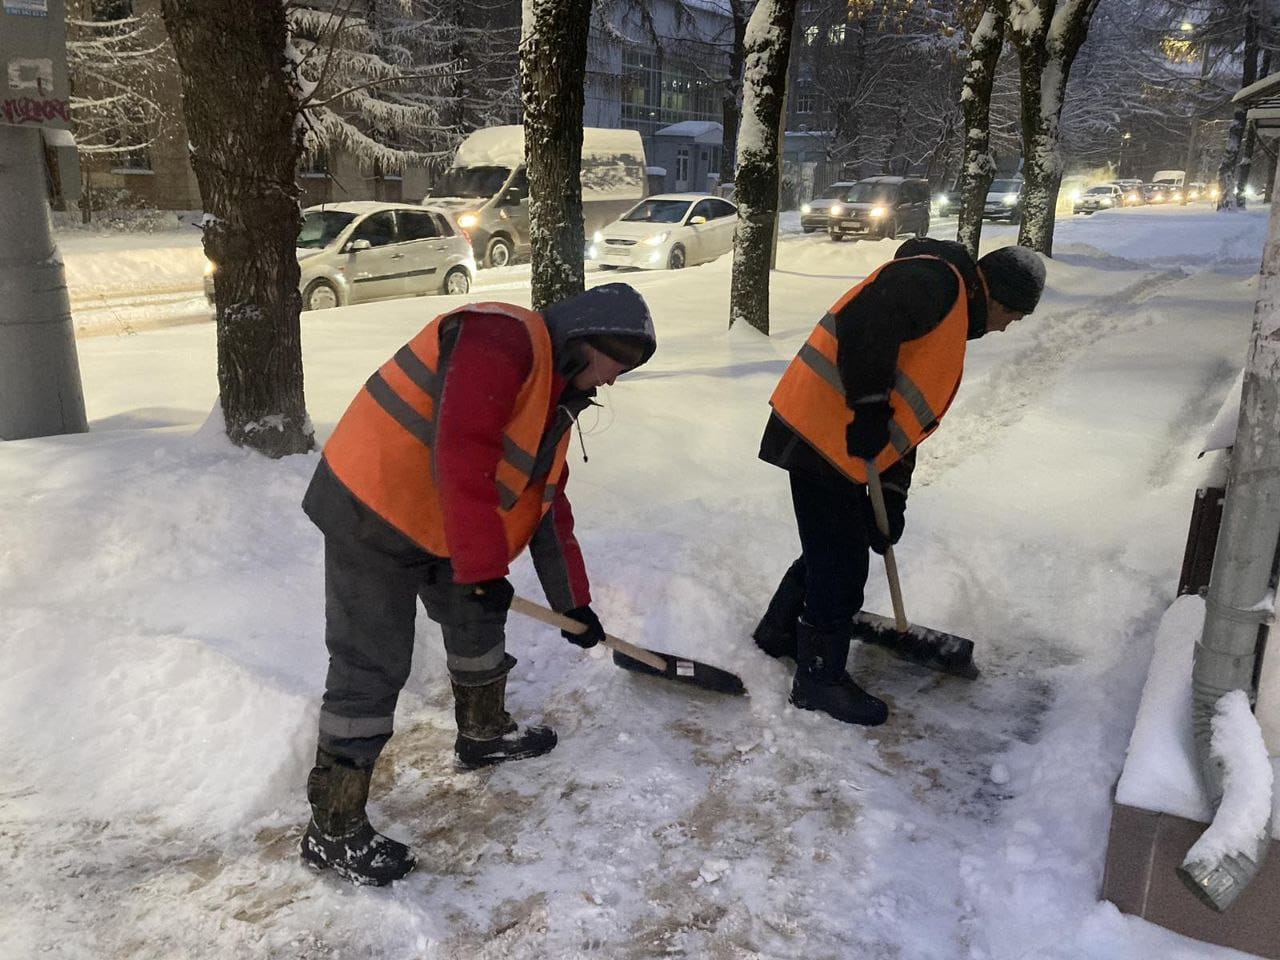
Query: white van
487, 189
1170, 178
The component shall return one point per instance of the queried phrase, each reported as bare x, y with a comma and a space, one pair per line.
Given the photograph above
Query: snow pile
164, 643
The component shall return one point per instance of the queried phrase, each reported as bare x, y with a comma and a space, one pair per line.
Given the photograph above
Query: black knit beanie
628, 351
1015, 277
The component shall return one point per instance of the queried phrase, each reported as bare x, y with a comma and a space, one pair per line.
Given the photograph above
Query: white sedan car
667, 231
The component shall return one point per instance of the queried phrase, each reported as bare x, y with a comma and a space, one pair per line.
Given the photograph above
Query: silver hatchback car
365, 250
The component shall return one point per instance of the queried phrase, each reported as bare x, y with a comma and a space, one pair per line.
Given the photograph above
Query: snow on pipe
1220, 865
1240, 600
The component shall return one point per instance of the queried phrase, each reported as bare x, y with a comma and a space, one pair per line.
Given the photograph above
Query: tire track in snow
1003, 399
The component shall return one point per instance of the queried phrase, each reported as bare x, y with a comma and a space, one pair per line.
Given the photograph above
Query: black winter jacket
907, 300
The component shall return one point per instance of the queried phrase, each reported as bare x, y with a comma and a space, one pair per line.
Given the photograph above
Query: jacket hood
611, 309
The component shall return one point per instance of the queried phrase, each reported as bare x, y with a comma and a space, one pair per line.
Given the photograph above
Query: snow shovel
630, 657
934, 649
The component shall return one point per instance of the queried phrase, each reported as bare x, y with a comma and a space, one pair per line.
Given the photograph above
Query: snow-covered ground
163, 615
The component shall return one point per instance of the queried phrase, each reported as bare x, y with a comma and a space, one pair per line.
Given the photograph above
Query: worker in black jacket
873, 380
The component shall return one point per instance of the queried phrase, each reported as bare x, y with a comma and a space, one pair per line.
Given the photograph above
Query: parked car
487, 188
1104, 196
816, 214
668, 231
1004, 201
880, 207
364, 250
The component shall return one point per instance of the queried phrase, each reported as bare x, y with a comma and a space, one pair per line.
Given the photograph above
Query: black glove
895, 509
869, 432
594, 632
494, 596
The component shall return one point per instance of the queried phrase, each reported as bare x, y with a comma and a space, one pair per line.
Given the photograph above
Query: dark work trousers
834, 550
370, 607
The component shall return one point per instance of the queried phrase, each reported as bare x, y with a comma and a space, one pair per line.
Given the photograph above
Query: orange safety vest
810, 397
381, 449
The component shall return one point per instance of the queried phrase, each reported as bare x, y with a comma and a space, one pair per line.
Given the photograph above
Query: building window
108, 10
805, 101
682, 165
810, 36
835, 35
658, 91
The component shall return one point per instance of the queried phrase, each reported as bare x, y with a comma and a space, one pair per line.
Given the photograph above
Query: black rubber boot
339, 837
821, 682
486, 732
776, 632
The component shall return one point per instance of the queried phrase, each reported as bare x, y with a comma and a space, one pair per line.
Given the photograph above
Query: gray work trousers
370, 607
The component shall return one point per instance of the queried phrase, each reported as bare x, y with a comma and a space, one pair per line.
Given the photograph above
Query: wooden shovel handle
561, 622
890, 564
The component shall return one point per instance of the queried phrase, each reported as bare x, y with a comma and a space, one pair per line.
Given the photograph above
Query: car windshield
1106, 190
835, 192
1006, 186
470, 182
659, 211
319, 227
869, 193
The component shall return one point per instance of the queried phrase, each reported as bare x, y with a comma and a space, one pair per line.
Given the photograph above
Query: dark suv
880, 207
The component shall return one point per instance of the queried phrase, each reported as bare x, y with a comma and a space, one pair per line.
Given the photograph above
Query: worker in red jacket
447, 464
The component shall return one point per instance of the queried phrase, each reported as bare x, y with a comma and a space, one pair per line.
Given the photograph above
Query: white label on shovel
684, 668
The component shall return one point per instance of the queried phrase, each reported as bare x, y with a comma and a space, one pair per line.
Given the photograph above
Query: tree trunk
1048, 35
731, 109
240, 99
978, 167
553, 64
768, 50
1230, 186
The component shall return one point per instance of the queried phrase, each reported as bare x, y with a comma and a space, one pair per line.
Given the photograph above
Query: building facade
647, 70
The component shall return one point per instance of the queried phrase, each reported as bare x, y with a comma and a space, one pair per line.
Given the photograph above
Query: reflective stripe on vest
810, 397
381, 449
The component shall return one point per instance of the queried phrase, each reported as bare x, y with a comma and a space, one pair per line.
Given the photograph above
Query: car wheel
808, 229
676, 260
456, 282
320, 295
890, 230
924, 228
499, 253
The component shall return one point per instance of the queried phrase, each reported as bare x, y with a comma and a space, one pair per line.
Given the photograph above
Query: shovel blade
684, 670
944, 652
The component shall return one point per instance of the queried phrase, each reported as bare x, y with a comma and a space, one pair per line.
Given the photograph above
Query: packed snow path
164, 620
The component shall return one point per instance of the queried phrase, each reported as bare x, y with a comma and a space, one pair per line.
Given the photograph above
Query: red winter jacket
488, 362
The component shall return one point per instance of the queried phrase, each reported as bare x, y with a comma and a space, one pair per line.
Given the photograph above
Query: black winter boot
339, 836
776, 632
822, 684
486, 732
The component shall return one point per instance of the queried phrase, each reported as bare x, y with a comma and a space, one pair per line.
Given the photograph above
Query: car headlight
210, 268
468, 220
593, 253
942, 199
1133, 198
836, 210
805, 208
598, 237
878, 212
1010, 199
1106, 201
658, 239
1075, 194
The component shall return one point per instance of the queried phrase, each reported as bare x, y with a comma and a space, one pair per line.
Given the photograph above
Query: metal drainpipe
1237, 611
